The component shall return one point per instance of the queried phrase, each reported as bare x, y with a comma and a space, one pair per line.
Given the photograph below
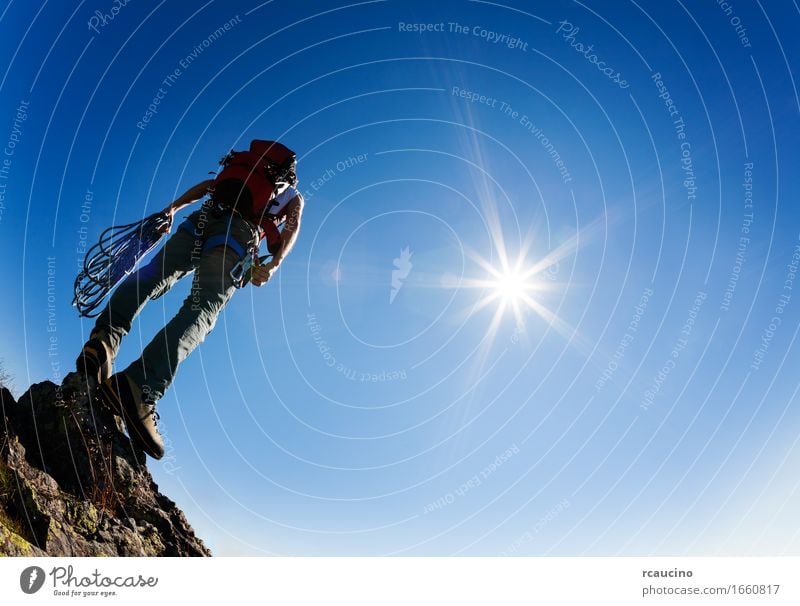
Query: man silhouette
245, 207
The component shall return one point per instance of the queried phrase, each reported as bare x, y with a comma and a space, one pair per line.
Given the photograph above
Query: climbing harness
241, 272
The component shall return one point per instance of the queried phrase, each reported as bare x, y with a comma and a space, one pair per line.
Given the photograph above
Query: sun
511, 283
515, 287
510, 286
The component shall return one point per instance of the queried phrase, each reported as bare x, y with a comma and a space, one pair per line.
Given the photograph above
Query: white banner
401, 581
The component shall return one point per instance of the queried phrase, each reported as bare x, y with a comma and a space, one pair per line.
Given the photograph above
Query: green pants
207, 245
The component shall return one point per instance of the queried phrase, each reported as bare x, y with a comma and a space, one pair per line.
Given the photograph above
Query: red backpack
248, 180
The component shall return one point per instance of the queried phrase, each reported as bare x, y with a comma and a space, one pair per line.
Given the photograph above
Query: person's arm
291, 229
188, 197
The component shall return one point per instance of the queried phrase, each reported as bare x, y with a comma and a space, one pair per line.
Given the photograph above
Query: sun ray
570, 246
514, 289
519, 284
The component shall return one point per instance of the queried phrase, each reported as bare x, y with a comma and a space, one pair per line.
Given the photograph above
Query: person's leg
176, 258
212, 287
134, 392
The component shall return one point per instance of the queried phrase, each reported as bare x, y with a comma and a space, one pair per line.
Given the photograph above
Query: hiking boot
125, 398
96, 360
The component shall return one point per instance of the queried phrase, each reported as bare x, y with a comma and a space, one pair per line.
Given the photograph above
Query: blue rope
115, 256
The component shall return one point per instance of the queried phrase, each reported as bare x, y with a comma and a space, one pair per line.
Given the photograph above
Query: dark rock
73, 484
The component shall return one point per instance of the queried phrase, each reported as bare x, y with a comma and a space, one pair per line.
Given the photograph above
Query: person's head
280, 162
292, 173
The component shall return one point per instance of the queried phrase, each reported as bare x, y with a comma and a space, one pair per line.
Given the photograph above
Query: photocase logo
31, 579
403, 268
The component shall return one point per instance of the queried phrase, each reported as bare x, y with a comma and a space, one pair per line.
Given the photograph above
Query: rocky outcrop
72, 483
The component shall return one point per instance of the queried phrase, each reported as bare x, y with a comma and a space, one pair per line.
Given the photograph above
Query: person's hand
261, 274
166, 227
169, 214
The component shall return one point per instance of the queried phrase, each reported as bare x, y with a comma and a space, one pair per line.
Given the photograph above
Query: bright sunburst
510, 286
517, 286
521, 285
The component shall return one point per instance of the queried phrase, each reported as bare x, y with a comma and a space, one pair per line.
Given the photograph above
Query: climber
250, 199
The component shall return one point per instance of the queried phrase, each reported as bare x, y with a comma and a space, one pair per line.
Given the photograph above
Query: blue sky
644, 404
